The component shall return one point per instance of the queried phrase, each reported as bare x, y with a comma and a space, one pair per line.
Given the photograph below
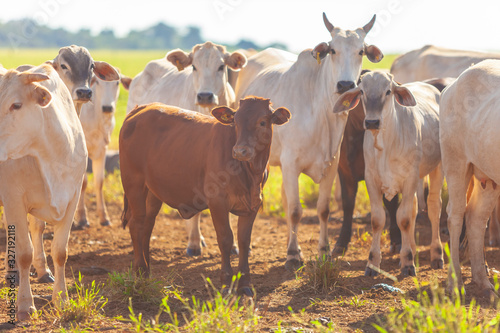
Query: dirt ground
276, 289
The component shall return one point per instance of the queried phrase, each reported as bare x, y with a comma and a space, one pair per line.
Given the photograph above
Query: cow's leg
81, 211
457, 178
153, 206
394, 231
136, 197
494, 227
434, 211
98, 165
478, 211
37, 227
17, 226
195, 239
349, 187
245, 224
378, 223
422, 205
220, 218
337, 193
406, 216
290, 188
323, 207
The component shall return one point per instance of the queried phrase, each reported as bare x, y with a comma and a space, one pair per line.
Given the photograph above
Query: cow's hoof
193, 252
245, 291
81, 225
105, 223
408, 271
490, 295
370, 272
338, 251
437, 264
203, 243
235, 251
25, 315
293, 265
46, 278
395, 248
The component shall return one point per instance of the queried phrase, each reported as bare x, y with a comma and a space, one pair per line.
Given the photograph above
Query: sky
401, 26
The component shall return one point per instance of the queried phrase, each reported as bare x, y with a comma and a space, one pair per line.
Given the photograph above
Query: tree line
27, 33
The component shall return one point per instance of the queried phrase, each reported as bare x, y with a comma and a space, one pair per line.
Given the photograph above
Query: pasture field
321, 297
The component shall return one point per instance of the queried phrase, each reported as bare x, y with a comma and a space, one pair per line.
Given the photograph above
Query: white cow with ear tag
401, 146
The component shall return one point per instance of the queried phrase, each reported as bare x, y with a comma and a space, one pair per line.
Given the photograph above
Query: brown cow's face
253, 124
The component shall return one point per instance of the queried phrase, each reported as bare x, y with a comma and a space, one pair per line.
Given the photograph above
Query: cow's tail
125, 213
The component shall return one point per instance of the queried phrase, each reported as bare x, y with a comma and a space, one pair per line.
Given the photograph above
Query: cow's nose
205, 98
343, 86
242, 153
84, 93
372, 124
107, 108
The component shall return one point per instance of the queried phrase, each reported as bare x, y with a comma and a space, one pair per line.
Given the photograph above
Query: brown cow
223, 167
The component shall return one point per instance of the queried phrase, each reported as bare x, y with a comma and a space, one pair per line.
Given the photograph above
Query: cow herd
199, 135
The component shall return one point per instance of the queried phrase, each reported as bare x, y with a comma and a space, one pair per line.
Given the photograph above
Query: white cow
470, 148
435, 62
195, 81
98, 122
43, 158
401, 146
308, 87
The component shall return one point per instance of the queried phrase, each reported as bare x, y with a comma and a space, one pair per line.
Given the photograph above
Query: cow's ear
224, 115
235, 60
51, 63
404, 96
41, 95
280, 116
321, 51
180, 59
105, 71
126, 81
373, 53
347, 101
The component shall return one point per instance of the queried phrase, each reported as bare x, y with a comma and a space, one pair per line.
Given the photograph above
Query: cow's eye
15, 106
263, 123
388, 93
64, 66
194, 68
221, 68
332, 51
361, 52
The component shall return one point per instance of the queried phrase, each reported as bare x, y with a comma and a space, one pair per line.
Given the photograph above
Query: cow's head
106, 92
208, 63
75, 66
22, 101
345, 51
377, 90
253, 123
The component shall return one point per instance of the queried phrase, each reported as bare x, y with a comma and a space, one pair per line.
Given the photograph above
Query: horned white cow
43, 158
470, 148
310, 143
195, 81
435, 62
98, 122
401, 146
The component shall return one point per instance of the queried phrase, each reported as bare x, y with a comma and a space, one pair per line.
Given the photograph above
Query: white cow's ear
404, 96
41, 95
105, 71
126, 81
281, 116
348, 100
180, 59
224, 115
321, 51
373, 53
235, 60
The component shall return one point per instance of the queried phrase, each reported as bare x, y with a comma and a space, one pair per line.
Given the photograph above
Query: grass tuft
322, 274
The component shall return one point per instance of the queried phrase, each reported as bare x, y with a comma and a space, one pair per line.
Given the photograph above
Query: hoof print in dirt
193, 252
408, 271
437, 264
46, 278
293, 265
370, 272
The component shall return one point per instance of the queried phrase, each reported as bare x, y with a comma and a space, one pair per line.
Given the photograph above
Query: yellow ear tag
318, 59
225, 117
179, 66
346, 103
377, 58
239, 63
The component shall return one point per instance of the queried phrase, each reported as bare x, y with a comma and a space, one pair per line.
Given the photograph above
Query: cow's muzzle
343, 86
372, 124
205, 98
243, 153
107, 109
84, 94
